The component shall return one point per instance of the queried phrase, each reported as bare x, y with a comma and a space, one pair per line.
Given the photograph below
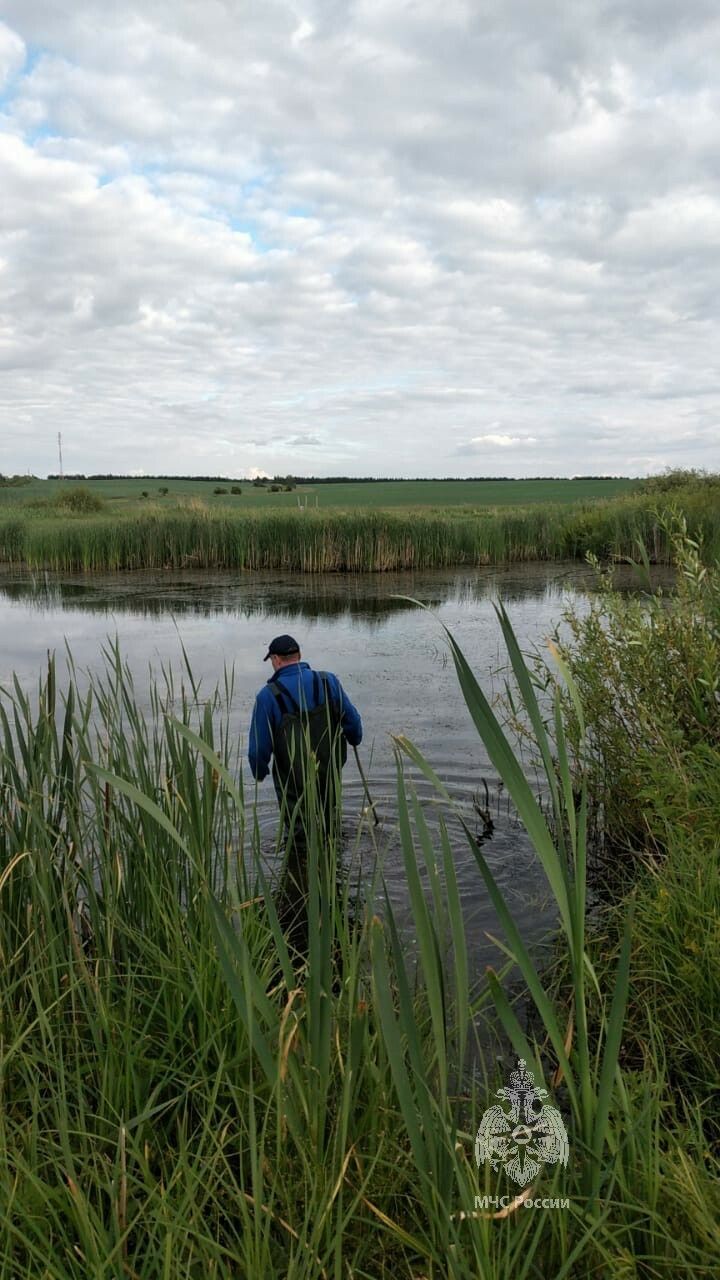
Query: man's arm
260, 738
351, 722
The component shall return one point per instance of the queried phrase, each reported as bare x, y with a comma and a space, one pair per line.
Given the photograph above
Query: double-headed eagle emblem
527, 1136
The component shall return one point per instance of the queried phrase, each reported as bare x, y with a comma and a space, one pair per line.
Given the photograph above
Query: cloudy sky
398, 237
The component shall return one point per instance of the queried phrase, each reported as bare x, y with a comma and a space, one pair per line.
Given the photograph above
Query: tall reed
183, 1097
359, 541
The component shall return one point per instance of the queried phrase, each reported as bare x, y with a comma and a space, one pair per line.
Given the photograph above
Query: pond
391, 656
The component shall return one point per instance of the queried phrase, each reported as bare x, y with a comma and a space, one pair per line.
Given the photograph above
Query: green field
126, 494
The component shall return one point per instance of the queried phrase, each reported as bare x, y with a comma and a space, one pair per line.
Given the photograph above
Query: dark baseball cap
283, 646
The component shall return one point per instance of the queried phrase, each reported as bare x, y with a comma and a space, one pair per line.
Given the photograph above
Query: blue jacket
267, 713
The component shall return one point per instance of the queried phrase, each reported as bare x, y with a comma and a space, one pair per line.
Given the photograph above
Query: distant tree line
435, 479
112, 475
263, 481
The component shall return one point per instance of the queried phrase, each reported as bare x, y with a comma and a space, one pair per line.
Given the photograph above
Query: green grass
183, 1097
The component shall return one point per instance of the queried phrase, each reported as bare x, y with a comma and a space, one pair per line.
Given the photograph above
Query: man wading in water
304, 720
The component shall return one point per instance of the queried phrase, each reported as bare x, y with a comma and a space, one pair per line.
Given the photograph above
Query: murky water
390, 655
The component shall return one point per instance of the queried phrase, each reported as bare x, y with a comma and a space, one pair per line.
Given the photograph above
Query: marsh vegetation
72, 537
181, 1096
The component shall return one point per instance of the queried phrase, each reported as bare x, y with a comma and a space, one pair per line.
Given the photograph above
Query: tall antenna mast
60, 453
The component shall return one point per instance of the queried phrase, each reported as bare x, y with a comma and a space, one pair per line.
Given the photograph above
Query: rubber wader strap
280, 693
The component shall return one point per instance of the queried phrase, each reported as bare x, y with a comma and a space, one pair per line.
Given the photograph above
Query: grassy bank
361, 541
183, 1098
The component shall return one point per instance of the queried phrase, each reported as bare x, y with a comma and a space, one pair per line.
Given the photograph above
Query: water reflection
368, 598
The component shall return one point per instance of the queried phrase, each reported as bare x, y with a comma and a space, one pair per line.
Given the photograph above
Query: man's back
296, 687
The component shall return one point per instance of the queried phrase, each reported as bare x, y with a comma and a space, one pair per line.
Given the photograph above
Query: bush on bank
647, 669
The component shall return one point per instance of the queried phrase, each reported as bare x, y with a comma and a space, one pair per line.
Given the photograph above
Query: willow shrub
647, 669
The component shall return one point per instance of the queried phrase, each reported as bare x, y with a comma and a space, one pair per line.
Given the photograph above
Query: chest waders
309, 751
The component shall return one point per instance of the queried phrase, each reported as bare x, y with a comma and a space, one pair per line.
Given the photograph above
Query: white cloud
303, 31
378, 237
503, 441
12, 54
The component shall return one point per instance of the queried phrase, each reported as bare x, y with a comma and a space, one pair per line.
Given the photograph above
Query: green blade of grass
393, 1047
144, 802
208, 754
507, 765
611, 1051
517, 946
